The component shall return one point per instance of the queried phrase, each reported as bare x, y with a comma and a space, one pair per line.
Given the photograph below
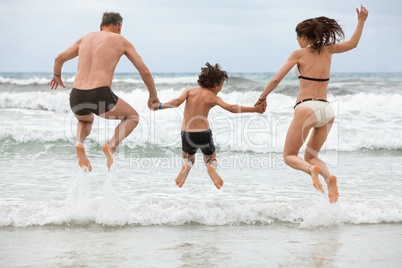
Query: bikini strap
311, 99
314, 79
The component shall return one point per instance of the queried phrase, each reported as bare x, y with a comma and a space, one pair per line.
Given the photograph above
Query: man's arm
146, 75
64, 56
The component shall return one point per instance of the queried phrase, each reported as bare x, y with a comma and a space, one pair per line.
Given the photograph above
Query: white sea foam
23, 82
111, 210
363, 121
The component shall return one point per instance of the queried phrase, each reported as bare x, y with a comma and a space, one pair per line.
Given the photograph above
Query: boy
195, 130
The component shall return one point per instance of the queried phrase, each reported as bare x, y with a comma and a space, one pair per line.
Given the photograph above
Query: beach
52, 214
276, 245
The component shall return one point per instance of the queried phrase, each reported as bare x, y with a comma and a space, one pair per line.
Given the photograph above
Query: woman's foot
314, 171
332, 189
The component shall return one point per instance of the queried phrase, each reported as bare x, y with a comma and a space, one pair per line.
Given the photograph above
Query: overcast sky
181, 35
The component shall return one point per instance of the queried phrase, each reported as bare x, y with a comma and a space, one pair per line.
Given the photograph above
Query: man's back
99, 53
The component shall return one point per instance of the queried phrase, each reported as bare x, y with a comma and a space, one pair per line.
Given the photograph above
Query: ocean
52, 214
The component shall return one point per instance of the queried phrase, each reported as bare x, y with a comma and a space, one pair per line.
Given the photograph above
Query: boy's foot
314, 171
107, 150
333, 190
216, 179
83, 161
181, 178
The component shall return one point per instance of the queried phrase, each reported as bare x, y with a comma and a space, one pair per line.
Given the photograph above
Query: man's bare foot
216, 179
83, 161
107, 150
181, 178
314, 172
332, 189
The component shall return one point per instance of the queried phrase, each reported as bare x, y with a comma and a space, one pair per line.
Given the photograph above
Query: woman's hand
362, 14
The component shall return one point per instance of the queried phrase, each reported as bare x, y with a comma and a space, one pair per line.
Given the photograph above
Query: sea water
267, 214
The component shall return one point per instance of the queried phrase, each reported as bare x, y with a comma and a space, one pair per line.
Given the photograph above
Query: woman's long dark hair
322, 31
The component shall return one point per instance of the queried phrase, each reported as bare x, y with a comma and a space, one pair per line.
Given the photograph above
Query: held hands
262, 105
259, 109
156, 105
55, 82
362, 14
153, 103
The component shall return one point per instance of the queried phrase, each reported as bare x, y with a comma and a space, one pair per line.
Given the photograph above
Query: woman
317, 38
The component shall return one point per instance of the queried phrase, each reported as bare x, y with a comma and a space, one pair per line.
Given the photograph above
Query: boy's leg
188, 161
211, 163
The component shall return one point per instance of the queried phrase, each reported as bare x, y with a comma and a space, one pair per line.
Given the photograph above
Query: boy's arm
235, 108
172, 103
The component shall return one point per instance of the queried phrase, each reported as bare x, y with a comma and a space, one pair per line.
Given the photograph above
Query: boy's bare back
199, 102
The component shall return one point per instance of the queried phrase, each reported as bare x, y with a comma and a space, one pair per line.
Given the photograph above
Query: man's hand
152, 103
55, 82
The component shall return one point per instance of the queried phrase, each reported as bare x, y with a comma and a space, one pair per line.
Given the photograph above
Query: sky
182, 35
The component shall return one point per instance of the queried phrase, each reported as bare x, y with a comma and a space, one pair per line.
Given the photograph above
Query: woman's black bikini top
309, 78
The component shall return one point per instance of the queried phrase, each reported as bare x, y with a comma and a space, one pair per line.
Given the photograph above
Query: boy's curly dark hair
212, 76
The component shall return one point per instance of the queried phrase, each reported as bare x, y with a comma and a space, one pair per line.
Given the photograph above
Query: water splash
78, 201
112, 209
323, 214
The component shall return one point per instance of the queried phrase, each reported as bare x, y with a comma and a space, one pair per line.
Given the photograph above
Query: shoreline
200, 246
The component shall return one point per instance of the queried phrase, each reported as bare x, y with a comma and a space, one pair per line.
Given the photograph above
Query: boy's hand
259, 108
155, 106
262, 103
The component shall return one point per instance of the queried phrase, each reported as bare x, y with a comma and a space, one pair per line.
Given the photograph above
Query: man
99, 53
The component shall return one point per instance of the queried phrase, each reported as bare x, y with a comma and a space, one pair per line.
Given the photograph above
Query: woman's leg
314, 145
304, 119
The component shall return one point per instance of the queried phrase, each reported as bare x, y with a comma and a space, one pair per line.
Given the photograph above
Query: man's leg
84, 128
129, 120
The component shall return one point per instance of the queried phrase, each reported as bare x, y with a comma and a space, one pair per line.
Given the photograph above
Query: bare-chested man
99, 53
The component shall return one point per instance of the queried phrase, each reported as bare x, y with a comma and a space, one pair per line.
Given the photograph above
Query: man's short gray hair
111, 18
